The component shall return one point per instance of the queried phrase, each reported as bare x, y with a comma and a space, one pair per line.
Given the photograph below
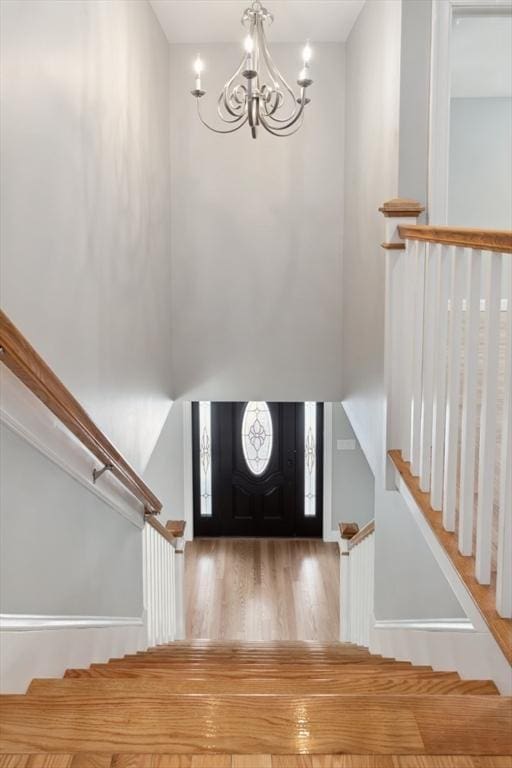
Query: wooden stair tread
484, 596
254, 662
240, 672
256, 724
432, 683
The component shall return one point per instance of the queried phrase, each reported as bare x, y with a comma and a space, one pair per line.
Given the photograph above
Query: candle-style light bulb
307, 53
249, 45
198, 68
304, 75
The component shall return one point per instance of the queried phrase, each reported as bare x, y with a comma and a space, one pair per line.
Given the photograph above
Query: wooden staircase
256, 705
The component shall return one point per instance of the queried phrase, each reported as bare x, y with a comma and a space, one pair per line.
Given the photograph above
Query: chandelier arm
276, 132
292, 122
217, 130
236, 117
276, 75
224, 94
276, 106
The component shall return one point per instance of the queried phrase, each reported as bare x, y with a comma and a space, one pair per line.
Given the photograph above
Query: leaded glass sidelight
310, 459
205, 458
257, 436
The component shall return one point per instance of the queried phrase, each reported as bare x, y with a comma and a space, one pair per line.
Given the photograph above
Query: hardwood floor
250, 761
262, 589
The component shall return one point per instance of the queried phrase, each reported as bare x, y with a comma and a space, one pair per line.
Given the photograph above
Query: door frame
324, 458
440, 94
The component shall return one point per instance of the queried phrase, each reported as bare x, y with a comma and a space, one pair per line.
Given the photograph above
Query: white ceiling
218, 21
482, 56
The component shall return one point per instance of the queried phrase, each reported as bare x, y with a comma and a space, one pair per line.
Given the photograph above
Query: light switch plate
346, 445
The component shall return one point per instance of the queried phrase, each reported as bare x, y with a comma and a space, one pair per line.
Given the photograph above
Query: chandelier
257, 94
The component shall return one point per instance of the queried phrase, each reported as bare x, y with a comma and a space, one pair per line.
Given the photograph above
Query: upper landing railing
449, 390
22, 359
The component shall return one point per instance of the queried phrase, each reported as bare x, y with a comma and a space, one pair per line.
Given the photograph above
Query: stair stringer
464, 646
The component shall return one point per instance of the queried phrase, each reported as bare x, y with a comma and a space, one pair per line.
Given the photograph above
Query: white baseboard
450, 645
45, 646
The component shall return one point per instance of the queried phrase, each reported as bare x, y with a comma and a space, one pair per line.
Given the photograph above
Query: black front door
257, 462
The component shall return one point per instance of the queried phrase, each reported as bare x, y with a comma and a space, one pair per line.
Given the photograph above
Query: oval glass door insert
257, 436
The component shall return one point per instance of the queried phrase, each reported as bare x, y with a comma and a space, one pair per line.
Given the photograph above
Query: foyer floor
262, 589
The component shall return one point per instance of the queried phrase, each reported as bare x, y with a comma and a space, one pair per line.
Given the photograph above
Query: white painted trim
443, 645
440, 91
331, 535
426, 625
188, 482
48, 650
13, 622
327, 483
480, 657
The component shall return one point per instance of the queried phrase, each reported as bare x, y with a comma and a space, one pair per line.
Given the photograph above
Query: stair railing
163, 547
357, 557
21, 358
163, 568
449, 381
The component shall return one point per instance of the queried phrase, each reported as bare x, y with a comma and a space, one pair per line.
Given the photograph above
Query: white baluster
145, 575
154, 544
367, 590
372, 583
504, 560
440, 361
487, 453
361, 595
417, 376
354, 601
167, 583
344, 591
453, 389
157, 589
179, 577
161, 542
428, 366
164, 545
353, 597
173, 595
406, 343
469, 404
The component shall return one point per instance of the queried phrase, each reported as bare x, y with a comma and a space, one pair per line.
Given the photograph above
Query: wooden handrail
481, 239
365, 531
171, 531
176, 528
22, 359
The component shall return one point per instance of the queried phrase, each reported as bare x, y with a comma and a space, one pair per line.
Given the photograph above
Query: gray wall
371, 176
63, 551
165, 471
85, 234
353, 484
256, 240
409, 584
85, 275
408, 581
416, 31
480, 180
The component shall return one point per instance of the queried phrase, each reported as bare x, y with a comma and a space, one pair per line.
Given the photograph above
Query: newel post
177, 529
347, 532
396, 212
